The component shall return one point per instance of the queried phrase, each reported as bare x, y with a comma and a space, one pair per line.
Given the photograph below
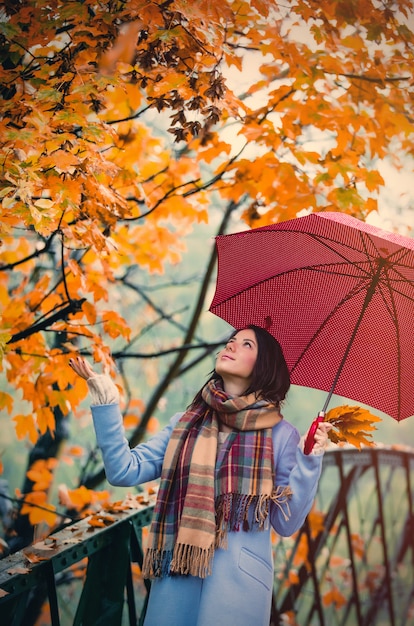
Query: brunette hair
270, 376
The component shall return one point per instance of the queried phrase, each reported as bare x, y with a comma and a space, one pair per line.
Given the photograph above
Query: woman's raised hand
82, 368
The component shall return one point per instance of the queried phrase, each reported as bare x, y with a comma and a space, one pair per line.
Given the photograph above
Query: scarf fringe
281, 496
184, 560
232, 514
156, 563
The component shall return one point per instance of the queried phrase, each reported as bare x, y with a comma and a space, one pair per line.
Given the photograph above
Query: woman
231, 468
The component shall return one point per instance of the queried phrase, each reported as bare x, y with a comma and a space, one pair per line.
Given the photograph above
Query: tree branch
72, 307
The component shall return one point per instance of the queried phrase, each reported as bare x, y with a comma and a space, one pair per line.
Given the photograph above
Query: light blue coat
239, 591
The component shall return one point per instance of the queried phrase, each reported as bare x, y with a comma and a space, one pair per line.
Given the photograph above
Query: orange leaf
25, 426
302, 552
40, 475
39, 511
115, 325
316, 522
351, 424
32, 557
76, 451
6, 401
334, 597
45, 419
293, 577
81, 497
153, 425
124, 47
17, 570
100, 520
131, 420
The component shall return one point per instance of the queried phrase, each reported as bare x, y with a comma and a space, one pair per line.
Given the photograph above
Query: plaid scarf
206, 491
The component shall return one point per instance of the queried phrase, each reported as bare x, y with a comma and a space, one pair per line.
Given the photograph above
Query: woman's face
236, 361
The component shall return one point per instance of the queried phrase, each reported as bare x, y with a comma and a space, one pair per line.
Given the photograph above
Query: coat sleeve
126, 467
298, 471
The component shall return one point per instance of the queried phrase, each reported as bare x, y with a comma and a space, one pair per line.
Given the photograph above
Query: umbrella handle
310, 439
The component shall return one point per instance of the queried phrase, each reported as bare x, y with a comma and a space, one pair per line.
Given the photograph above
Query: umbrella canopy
338, 294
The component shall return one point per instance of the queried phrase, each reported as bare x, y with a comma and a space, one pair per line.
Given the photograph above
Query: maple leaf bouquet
351, 424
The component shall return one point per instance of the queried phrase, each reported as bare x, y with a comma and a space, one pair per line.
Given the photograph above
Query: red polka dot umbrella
338, 294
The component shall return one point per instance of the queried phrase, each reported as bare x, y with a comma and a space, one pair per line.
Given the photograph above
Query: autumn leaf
100, 520
115, 325
123, 48
131, 420
316, 522
353, 425
293, 577
6, 402
40, 473
358, 545
75, 450
25, 427
45, 419
37, 508
17, 570
81, 497
33, 557
335, 597
301, 556
337, 561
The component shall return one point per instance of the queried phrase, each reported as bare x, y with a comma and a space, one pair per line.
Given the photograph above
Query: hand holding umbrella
316, 438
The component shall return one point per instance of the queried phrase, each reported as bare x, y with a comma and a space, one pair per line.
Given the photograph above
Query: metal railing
351, 564
358, 568
109, 551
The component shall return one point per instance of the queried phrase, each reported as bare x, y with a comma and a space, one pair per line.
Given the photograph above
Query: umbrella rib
393, 315
370, 257
351, 294
346, 260
368, 298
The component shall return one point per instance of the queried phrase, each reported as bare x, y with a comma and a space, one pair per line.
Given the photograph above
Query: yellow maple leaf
81, 497
25, 427
115, 325
77, 498
41, 477
352, 424
45, 419
38, 509
6, 401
